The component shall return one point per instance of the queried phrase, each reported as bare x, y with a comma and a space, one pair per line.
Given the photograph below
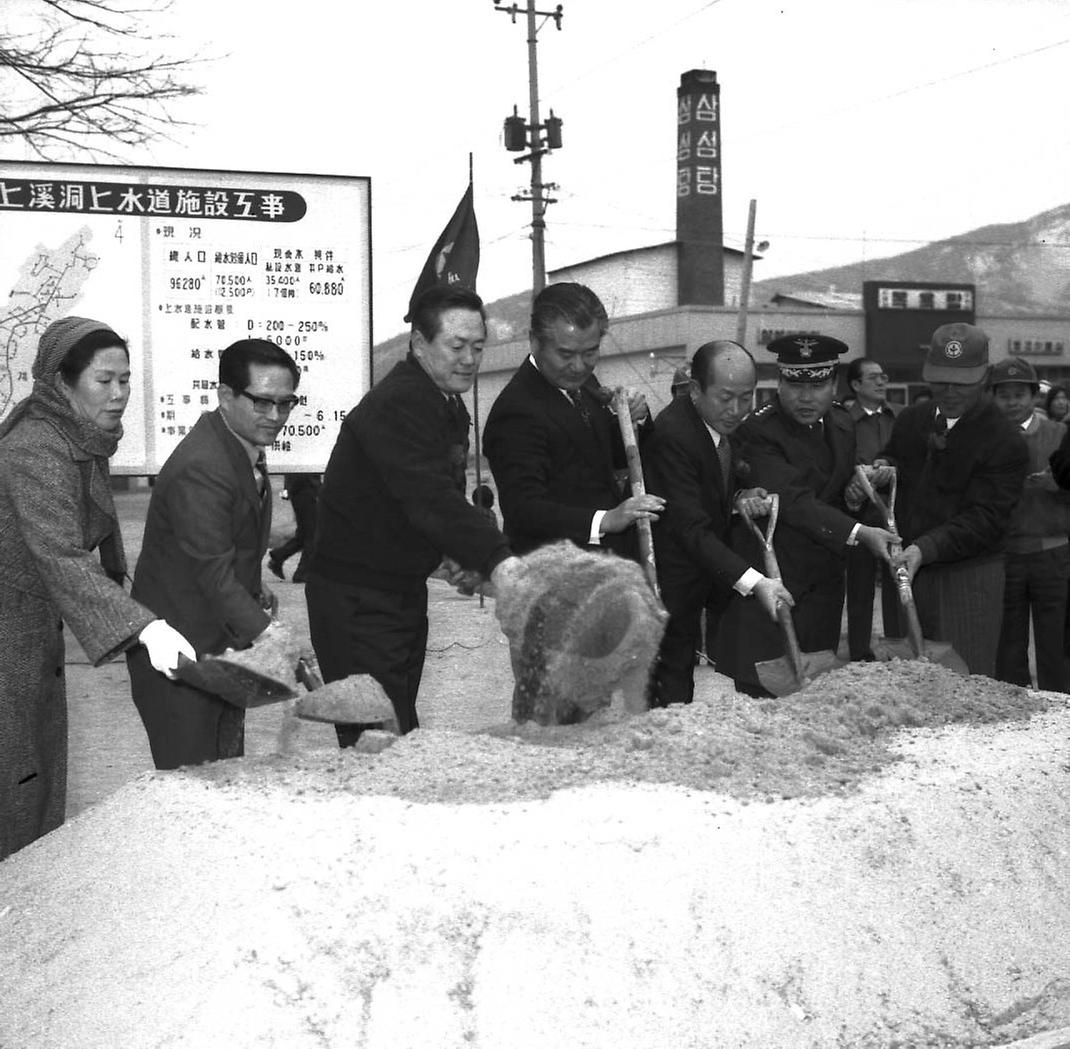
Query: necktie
262, 474
938, 440
724, 454
576, 397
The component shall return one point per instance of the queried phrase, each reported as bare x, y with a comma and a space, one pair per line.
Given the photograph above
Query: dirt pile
736, 873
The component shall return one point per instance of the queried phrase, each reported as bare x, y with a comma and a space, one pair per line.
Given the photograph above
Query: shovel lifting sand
796, 668
915, 646
357, 699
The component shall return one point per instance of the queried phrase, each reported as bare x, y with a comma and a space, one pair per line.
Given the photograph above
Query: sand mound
912, 892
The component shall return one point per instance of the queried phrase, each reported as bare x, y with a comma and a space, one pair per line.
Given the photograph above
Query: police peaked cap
807, 358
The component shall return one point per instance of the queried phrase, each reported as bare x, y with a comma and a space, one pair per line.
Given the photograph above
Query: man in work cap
961, 466
681, 383
1037, 567
802, 447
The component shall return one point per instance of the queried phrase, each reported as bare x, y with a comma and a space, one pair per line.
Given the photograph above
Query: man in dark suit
393, 505
206, 533
302, 490
873, 418
962, 468
553, 444
802, 447
688, 461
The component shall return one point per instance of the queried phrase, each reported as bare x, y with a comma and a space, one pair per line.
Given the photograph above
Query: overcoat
552, 469
56, 513
808, 467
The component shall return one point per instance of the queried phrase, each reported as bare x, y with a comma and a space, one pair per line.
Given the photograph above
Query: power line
591, 71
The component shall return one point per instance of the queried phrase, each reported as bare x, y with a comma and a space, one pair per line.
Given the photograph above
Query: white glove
165, 645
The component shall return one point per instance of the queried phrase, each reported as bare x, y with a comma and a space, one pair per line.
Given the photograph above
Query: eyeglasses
263, 405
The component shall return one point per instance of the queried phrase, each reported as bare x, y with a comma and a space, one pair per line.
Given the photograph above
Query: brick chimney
699, 222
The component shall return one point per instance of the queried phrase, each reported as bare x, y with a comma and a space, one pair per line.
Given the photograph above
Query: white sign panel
182, 263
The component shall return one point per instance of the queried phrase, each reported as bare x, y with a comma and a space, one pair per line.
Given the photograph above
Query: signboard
182, 263
901, 317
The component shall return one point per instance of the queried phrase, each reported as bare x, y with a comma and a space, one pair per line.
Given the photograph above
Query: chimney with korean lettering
699, 223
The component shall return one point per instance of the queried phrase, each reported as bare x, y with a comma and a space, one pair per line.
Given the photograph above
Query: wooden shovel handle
900, 573
635, 475
772, 569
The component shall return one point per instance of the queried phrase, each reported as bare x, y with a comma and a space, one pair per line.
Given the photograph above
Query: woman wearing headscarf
61, 560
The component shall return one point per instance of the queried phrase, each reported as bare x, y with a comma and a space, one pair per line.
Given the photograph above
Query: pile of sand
789, 874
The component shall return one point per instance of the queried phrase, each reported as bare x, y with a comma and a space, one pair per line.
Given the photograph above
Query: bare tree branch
77, 81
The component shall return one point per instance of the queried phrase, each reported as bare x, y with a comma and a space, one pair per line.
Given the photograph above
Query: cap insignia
953, 349
806, 347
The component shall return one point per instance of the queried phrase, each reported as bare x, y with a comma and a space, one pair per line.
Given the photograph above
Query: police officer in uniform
800, 446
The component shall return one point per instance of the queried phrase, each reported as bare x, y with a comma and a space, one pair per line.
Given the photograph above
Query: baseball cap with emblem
1014, 370
958, 353
807, 358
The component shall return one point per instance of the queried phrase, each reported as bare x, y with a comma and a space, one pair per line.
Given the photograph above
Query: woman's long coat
56, 510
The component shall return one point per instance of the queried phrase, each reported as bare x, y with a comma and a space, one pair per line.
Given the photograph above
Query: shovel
635, 476
915, 645
358, 698
232, 681
796, 669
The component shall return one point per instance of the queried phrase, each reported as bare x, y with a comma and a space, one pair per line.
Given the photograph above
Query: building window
899, 300
926, 300
954, 300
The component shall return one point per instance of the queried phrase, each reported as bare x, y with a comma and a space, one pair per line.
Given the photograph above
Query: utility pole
744, 287
520, 136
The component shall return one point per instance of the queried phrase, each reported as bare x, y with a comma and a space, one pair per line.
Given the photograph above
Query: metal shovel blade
941, 652
780, 677
237, 684
355, 700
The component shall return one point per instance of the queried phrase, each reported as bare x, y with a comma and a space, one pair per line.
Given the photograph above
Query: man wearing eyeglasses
206, 533
873, 419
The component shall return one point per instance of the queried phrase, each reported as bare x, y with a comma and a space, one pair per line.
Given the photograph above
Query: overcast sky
863, 128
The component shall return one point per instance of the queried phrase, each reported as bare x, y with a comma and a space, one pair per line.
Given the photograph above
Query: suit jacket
206, 532
809, 470
552, 470
392, 501
681, 464
872, 432
957, 492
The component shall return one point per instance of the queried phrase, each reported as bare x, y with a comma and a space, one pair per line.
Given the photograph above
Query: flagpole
475, 396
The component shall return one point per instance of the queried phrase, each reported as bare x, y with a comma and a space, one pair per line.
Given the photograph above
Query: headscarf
47, 399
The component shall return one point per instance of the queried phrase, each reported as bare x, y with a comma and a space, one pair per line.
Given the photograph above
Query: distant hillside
1019, 267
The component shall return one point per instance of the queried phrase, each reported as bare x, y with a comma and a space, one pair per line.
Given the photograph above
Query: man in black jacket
962, 467
873, 418
801, 447
689, 462
393, 504
552, 443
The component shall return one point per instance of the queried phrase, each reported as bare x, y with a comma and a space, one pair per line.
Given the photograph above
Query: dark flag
455, 257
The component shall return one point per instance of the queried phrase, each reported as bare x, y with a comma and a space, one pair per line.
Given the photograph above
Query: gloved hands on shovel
165, 644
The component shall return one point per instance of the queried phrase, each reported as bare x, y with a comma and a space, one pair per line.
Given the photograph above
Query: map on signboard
49, 284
